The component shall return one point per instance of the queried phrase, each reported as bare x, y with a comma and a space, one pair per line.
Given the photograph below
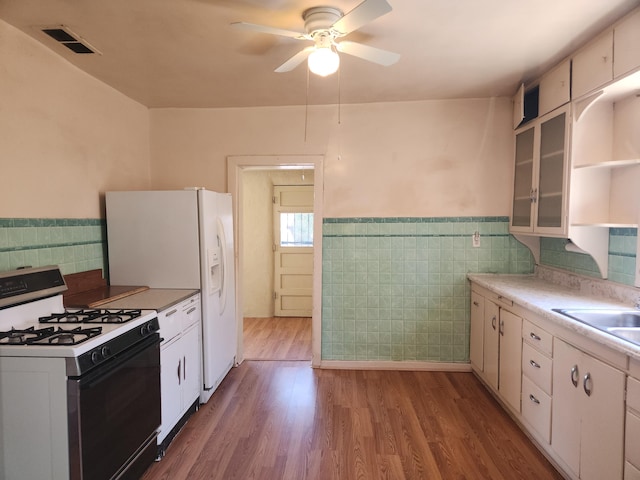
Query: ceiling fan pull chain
339, 96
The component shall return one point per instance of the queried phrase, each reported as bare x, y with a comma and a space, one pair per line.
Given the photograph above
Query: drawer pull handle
534, 399
534, 364
493, 322
191, 310
535, 337
172, 312
476, 304
574, 375
587, 379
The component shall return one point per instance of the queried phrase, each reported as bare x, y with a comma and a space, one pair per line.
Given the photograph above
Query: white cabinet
632, 426
491, 344
588, 413
180, 362
555, 88
496, 346
537, 367
626, 35
593, 65
541, 175
476, 337
510, 358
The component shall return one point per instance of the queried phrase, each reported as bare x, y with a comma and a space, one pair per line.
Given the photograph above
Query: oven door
114, 415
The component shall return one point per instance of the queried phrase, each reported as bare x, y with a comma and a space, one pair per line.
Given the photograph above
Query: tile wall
396, 288
622, 256
76, 245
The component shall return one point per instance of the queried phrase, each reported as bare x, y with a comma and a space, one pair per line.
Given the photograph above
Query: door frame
236, 164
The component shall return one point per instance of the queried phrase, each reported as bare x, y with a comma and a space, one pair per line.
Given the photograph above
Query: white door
293, 250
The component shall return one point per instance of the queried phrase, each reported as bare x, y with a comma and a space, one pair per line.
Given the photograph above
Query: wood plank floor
285, 420
277, 338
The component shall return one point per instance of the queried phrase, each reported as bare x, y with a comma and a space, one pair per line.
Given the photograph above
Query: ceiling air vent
69, 39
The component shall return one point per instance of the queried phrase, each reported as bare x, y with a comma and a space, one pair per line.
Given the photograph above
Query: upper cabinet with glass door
541, 171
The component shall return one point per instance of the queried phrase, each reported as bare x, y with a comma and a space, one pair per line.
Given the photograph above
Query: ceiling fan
323, 25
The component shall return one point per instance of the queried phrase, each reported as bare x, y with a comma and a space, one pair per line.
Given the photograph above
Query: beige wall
64, 137
427, 158
257, 207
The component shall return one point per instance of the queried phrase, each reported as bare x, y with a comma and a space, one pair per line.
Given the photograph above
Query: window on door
296, 229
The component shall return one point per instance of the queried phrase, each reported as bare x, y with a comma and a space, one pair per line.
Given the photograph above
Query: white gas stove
92, 376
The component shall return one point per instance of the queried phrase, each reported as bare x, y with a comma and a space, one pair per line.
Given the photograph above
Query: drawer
536, 408
191, 311
537, 367
632, 439
539, 338
633, 394
170, 323
631, 472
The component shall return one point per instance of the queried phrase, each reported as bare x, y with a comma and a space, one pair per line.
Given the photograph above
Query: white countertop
158, 299
541, 296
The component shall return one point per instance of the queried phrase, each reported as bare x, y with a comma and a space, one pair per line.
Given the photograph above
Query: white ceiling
183, 53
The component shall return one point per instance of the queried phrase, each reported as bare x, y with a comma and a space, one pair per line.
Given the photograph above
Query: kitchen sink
623, 324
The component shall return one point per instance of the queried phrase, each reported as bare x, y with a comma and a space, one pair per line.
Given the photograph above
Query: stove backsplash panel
75, 245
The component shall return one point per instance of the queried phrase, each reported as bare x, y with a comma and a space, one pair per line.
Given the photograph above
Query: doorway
247, 176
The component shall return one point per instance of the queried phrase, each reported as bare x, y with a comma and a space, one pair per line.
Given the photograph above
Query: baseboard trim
394, 365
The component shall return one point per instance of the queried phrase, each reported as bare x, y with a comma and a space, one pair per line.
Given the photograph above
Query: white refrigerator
180, 239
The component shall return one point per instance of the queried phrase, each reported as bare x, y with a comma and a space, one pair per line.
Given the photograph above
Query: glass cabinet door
523, 179
551, 172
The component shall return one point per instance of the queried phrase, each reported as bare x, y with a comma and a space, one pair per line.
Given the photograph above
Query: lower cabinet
537, 367
632, 427
587, 431
496, 347
180, 364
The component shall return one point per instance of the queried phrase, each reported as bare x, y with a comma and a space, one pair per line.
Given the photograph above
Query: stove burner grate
92, 316
48, 336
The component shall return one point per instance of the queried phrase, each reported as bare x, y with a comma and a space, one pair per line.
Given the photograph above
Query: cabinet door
626, 51
522, 210
554, 88
491, 343
170, 386
191, 366
552, 172
476, 340
593, 66
565, 424
510, 384
588, 413
602, 437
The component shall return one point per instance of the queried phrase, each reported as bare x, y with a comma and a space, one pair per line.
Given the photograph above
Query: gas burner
23, 337
92, 316
48, 336
72, 336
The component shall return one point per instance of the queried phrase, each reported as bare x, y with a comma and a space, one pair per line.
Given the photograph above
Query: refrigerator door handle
222, 241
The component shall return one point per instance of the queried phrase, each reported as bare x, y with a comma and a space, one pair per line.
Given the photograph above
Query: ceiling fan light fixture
324, 61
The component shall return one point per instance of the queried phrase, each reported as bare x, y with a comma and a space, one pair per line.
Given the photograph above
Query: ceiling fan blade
372, 54
364, 13
274, 31
296, 60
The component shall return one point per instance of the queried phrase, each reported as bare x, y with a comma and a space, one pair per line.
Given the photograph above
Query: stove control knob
95, 356
105, 351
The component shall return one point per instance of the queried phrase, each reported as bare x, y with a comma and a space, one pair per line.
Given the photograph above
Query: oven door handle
109, 368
